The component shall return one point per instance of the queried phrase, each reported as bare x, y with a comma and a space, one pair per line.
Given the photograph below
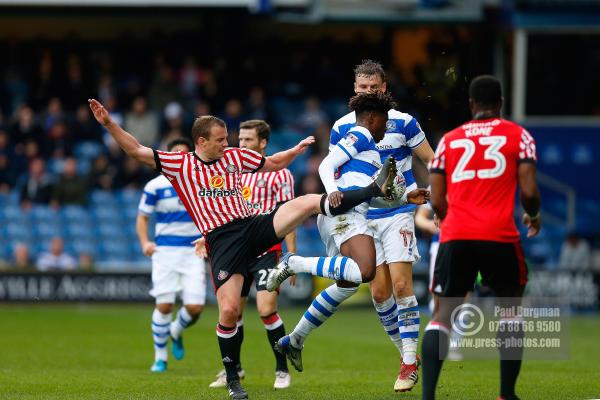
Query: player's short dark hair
180, 141
369, 68
203, 124
486, 90
380, 102
262, 128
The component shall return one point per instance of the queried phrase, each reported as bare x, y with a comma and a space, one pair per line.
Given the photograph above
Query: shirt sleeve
438, 164
168, 163
251, 160
285, 186
353, 143
414, 134
337, 157
527, 151
148, 200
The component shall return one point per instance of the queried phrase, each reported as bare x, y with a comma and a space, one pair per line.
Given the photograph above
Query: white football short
395, 239
178, 270
336, 230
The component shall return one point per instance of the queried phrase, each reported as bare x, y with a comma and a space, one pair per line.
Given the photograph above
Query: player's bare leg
408, 323
266, 304
228, 299
161, 320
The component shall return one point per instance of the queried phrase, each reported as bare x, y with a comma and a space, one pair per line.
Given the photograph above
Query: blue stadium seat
88, 150
84, 246
76, 214
117, 250
103, 198
110, 231
14, 213
107, 213
129, 198
19, 232
46, 230
77, 230
45, 213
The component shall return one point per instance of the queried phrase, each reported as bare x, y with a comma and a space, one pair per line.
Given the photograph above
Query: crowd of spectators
53, 153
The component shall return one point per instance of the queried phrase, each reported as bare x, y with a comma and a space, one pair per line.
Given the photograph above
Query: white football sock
336, 268
160, 334
409, 321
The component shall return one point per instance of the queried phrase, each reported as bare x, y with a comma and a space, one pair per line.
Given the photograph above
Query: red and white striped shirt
211, 192
264, 190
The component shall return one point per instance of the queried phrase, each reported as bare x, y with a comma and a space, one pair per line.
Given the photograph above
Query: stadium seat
88, 150
129, 198
76, 214
116, 250
45, 230
110, 231
107, 213
19, 232
77, 230
45, 213
103, 197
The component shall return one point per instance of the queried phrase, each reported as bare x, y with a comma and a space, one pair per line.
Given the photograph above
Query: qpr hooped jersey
174, 226
479, 160
210, 191
264, 190
403, 134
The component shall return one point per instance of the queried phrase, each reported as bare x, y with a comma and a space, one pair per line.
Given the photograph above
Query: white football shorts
336, 230
395, 239
178, 270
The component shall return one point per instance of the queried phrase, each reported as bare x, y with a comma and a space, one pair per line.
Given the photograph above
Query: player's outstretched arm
281, 160
126, 141
424, 152
530, 198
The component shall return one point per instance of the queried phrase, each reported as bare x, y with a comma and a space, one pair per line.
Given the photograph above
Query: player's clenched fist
100, 113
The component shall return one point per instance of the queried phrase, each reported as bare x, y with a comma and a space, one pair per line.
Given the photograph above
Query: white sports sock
336, 268
181, 321
388, 316
321, 308
160, 334
408, 321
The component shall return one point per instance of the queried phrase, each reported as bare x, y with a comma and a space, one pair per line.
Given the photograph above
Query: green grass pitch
104, 352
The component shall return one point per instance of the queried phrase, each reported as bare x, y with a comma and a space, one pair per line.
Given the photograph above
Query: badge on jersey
350, 140
390, 126
247, 193
231, 169
261, 183
217, 181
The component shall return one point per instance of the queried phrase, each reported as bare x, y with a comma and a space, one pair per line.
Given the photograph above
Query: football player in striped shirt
208, 182
349, 164
175, 266
264, 191
393, 226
